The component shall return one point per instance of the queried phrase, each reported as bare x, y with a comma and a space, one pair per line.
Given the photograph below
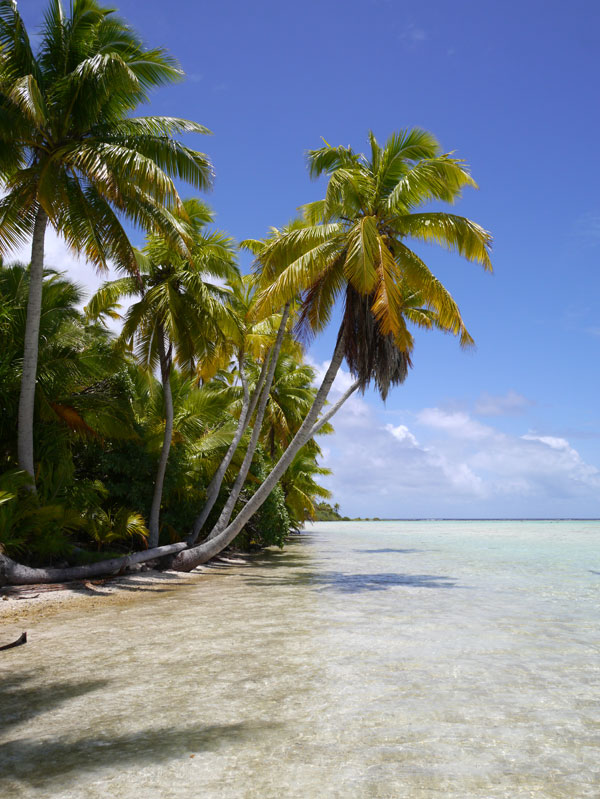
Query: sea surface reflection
343, 666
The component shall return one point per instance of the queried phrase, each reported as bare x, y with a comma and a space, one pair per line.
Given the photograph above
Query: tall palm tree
72, 158
289, 401
76, 363
180, 315
248, 342
353, 247
261, 396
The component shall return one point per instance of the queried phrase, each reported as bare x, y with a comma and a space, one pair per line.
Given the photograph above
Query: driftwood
22, 639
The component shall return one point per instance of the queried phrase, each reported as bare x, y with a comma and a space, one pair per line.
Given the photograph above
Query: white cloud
402, 433
446, 463
551, 441
455, 424
58, 256
508, 404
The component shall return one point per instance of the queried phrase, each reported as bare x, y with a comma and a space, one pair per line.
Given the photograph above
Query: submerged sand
22, 606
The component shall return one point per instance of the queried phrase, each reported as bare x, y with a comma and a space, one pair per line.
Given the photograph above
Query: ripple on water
418, 660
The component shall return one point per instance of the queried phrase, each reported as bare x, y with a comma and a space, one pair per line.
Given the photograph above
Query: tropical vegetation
175, 414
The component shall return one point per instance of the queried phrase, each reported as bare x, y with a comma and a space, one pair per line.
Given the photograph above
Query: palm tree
179, 317
248, 342
353, 247
79, 400
72, 158
289, 401
76, 364
300, 487
261, 395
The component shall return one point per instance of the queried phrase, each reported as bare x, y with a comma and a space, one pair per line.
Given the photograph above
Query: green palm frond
353, 242
327, 159
68, 140
363, 255
434, 294
455, 233
409, 186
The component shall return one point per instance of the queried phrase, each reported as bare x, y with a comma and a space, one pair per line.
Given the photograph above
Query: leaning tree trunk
165, 373
190, 558
30, 351
260, 413
12, 573
248, 406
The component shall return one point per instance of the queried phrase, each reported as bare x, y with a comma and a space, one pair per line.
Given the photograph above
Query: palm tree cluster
196, 423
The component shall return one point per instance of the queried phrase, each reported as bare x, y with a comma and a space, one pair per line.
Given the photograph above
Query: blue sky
512, 429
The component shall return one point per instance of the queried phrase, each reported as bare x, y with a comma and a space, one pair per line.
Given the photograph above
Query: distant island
331, 513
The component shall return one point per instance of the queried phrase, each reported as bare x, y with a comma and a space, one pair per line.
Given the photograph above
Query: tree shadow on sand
386, 551
42, 762
344, 583
380, 581
21, 700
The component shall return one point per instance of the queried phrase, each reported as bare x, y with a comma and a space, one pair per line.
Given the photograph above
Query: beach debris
22, 639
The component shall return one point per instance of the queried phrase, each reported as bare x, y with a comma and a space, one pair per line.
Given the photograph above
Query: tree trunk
12, 573
260, 412
333, 410
30, 351
248, 406
189, 559
165, 372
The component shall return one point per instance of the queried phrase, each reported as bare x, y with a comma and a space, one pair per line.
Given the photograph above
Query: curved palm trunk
165, 372
189, 559
248, 406
332, 411
12, 573
260, 413
30, 351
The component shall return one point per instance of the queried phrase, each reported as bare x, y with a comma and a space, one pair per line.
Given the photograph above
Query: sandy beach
22, 606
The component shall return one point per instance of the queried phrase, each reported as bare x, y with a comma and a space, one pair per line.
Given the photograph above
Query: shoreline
23, 606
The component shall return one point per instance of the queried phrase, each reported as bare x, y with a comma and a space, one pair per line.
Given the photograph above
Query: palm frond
26, 95
362, 255
455, 233
434, 294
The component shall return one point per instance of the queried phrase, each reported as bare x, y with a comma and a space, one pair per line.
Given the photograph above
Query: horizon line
467, 519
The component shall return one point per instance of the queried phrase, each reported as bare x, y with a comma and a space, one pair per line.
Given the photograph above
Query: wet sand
22, 606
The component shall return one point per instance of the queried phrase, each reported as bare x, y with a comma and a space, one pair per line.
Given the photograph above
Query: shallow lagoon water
383, 659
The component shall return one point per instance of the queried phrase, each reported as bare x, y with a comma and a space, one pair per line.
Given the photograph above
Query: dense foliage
99, 420
196, 424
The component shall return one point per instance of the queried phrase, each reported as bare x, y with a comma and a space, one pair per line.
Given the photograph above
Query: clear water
394, 659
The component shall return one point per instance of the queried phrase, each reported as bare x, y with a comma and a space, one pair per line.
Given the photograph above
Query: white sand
22, 606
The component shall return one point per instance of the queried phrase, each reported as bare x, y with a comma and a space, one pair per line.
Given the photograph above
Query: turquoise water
382, 659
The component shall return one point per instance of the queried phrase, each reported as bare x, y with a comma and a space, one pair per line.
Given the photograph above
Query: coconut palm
72, 158
75, 388
251, 340
353, 247
300, 487
79, 399
180, 316
261, 395
289, 401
